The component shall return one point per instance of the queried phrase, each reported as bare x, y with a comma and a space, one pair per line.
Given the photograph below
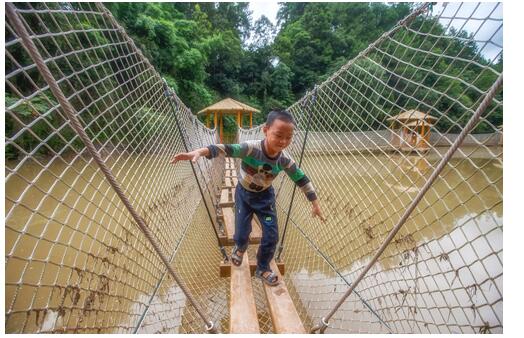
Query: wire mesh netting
76, 261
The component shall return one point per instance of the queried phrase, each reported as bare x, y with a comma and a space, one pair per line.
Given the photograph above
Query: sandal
271, 279
235, 258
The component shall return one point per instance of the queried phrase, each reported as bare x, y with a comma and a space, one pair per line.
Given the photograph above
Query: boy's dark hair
282, 115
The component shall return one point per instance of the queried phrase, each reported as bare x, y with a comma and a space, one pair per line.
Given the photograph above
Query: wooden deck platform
225, 268
230, 173
227, 198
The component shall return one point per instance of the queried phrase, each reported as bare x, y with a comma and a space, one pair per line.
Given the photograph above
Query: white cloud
483, 20
267, 8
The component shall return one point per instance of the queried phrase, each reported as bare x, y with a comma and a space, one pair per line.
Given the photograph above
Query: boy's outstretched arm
192, 155
303, 182
213, 150
315, 210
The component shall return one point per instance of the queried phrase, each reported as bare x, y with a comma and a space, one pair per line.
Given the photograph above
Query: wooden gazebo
413, 130
228, 106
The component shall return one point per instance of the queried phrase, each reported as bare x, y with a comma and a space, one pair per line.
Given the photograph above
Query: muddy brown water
454, 239
443, 268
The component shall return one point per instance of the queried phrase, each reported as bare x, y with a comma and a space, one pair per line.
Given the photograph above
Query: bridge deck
228, 216
242, 303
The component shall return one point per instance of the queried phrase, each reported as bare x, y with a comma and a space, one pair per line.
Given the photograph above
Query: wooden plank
224, 195
281, 308
243, 312
225, 241
229, 222
231, 173
225, 268
224, 199
229, 226
235, 181
228, 183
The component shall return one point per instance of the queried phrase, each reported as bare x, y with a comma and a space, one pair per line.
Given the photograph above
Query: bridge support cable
157, 286
115, 23
332, 266
309, 105
169, 94
71, 113
324, 322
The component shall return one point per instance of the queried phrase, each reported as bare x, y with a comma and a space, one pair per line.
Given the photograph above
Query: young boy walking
261, 163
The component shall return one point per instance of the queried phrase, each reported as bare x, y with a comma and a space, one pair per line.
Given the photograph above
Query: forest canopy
209, 51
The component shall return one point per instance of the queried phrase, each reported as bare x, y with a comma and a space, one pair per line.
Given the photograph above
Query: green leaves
201, 50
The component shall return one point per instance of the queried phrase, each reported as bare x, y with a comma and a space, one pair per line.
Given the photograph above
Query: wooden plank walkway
243, 315
231, 173
225, 199
283, 313
243, 311
225, 268
228, 216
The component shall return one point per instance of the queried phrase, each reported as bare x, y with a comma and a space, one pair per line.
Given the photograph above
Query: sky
267, 8
483, 20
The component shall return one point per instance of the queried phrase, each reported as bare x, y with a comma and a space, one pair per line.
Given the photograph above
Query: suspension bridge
104, 235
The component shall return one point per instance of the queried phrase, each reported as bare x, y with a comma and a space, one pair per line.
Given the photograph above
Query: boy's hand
193, 156
315, 210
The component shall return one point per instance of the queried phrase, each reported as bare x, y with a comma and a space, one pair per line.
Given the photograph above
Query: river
442, 273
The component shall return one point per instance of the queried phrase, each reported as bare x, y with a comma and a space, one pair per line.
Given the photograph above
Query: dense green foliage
209, 56
209, 51
204, 50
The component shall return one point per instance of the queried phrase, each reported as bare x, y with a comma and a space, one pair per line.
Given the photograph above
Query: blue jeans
263, 205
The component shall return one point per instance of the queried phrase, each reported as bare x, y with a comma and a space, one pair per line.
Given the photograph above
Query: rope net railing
77, 262
443, 270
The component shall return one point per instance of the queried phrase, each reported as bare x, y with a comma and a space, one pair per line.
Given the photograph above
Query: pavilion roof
418, 123
412, 115
229, 106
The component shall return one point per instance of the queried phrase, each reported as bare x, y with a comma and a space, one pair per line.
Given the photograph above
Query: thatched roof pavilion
412, 115
414, 132
231, 107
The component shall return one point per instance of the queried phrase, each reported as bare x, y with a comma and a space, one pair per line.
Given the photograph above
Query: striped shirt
258, 170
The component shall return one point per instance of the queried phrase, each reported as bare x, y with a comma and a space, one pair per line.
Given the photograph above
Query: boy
261, 163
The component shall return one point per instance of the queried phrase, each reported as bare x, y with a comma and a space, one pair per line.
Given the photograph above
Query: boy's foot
236, 256
268, 277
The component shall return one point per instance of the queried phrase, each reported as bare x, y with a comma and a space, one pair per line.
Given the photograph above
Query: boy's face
278, 135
